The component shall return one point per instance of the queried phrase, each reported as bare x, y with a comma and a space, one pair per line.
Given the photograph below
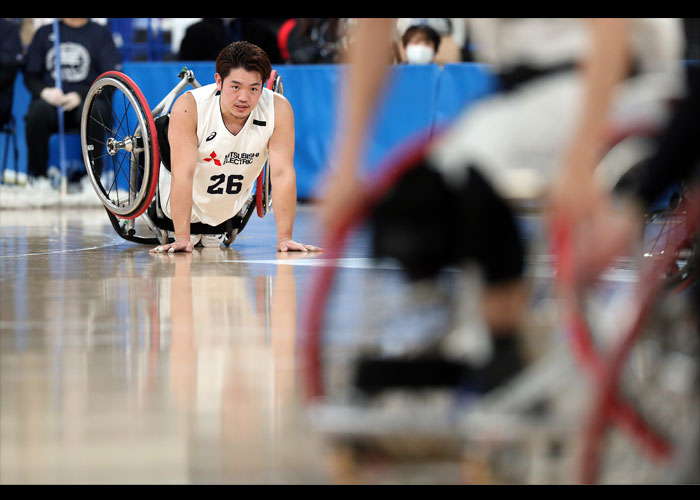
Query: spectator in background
11, 55
263, 33
204, 39
315, 41
452, 33
26, 31
420, 44
86, 51
283, 38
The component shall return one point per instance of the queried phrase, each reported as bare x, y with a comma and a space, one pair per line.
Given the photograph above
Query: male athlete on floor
220, 137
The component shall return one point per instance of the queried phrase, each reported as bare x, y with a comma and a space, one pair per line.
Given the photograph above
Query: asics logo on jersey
211, 136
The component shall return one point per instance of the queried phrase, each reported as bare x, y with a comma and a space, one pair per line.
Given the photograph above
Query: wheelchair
627, 154
385, 394
123, 143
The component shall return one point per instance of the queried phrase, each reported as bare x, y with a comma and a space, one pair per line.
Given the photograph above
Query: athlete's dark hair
426, 30
244, 55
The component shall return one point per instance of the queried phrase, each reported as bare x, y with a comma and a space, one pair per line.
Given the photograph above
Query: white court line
539, 268
51, 252
114, 242
351, 262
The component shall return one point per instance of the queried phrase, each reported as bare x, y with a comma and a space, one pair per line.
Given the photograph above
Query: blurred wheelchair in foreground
123, 143
611, 392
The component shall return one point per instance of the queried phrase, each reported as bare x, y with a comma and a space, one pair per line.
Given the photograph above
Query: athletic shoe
376, 374
54, 175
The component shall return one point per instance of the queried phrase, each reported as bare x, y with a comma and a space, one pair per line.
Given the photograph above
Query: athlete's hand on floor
289, 245
179, 245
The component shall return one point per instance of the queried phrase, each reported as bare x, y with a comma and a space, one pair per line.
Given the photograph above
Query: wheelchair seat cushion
162, 124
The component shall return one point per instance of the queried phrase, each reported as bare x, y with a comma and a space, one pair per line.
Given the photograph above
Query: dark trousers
41, 121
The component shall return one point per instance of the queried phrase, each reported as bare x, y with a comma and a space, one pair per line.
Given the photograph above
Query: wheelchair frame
504, 417
141, 146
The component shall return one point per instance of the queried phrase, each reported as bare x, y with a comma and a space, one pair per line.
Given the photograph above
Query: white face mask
419, 54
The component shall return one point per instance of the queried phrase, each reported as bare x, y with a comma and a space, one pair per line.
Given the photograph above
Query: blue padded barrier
459, 86
407, 109
312, 91
415, 99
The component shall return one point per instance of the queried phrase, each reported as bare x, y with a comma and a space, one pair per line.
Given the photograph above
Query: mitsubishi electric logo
212, 157
240, 158
233, 158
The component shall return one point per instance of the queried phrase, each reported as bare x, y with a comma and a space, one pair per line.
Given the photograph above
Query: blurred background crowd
286, 40
103, 44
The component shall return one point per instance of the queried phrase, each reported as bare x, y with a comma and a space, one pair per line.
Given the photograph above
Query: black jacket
86, 53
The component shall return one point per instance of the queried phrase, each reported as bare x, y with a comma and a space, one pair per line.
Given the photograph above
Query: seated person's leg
427, 225
41, 121
489, 235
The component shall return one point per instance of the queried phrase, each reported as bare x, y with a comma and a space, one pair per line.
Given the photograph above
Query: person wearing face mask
421, 43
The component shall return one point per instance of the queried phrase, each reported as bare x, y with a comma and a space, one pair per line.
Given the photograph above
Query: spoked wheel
657, 372
620, 167
661, 224
642, 425
638, 342
119, 144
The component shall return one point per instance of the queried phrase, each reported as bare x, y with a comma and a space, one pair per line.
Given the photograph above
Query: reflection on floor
120, 366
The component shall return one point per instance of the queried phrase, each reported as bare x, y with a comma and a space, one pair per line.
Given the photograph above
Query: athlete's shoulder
277, 97
281, 104
205, 91
184, 111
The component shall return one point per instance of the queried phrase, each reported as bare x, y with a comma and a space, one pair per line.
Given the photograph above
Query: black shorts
427, 225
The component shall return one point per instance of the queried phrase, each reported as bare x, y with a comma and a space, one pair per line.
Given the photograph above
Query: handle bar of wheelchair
186, 78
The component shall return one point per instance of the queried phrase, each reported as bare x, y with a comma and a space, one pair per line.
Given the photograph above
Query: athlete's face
240, 91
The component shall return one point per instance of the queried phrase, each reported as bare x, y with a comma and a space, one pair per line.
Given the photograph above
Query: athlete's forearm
368, 59
284, 201
181, 204
602, 70
182, 136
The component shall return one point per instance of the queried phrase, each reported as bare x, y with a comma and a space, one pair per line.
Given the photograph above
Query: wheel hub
114, 146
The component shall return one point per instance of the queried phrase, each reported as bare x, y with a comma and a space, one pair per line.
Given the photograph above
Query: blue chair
10, 132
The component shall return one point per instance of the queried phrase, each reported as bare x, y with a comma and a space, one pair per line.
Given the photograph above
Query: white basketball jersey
542, 42
227, 164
